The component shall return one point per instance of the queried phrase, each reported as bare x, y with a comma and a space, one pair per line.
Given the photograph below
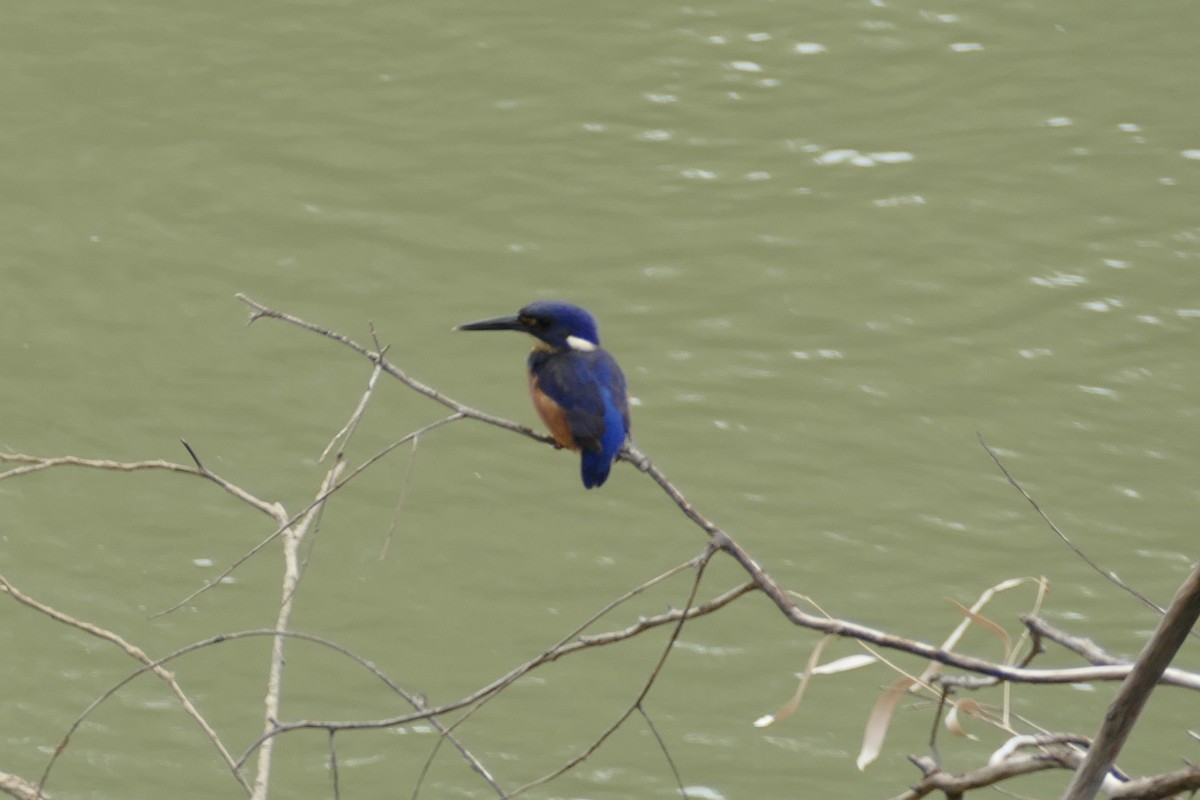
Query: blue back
590, 388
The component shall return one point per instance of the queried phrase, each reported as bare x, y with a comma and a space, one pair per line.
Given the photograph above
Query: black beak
510, 323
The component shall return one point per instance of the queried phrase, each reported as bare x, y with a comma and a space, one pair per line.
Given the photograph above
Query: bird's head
556, 325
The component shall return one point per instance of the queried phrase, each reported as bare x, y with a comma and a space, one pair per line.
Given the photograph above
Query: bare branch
404, 484
447, 735
376, 356
1107, 574
286, 522
1055, 751
292, 537
731, 547
341, 437
956, 784
1131, 698
662, 745
1169, 784
641, 697
134, 652
39, 463
333, 766
572, 643
21, 789
1089, 650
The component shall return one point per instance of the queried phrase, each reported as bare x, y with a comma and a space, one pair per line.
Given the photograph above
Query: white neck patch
576, 343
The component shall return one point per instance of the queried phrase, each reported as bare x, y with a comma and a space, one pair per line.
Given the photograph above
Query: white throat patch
575, 343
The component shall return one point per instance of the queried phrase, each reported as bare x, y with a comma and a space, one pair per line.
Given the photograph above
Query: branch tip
192, 453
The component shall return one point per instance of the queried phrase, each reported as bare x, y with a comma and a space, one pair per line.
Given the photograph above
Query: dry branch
956, 784
726, 543
291, 530
1172, 631
292, 537
134, 652
21, 789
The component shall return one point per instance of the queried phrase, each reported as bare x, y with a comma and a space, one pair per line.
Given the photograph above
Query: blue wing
590, 389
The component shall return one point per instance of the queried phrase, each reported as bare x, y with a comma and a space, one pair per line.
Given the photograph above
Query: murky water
830, 245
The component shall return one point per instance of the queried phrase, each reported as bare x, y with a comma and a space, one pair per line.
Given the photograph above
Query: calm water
831, 244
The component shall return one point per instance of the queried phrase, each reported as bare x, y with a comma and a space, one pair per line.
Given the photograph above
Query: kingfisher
577, 388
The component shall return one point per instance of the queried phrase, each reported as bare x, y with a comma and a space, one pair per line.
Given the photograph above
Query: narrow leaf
954, 726
845, 664
792, 705
881, 719
979, 619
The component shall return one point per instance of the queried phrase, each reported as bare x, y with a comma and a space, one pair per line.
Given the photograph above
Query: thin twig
340, 438
292, 537
333, 766
226, 638
288, 522
39, 463
569, 644
259, 311
943, 694
136, 653
651, 679
662, 745
446, 734
1107, 574
404, 484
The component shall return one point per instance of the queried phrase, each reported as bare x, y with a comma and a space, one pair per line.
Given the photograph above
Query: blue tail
595, 469
596, 464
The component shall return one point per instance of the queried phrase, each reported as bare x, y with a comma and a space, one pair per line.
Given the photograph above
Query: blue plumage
577, 387
588, 389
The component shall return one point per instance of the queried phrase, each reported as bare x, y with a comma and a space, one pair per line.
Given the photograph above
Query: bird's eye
533, 322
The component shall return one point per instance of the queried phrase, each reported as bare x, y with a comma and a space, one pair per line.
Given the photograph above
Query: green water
830, 245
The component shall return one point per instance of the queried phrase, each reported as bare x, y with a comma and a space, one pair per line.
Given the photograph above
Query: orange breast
552, 415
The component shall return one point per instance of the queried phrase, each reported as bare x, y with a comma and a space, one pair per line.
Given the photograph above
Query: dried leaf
1011, 583
972, 708
979, 619
983, 600
952, 723
881, 719
792, 705
845, 664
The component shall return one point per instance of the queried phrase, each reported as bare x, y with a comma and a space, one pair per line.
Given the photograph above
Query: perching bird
577, 388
